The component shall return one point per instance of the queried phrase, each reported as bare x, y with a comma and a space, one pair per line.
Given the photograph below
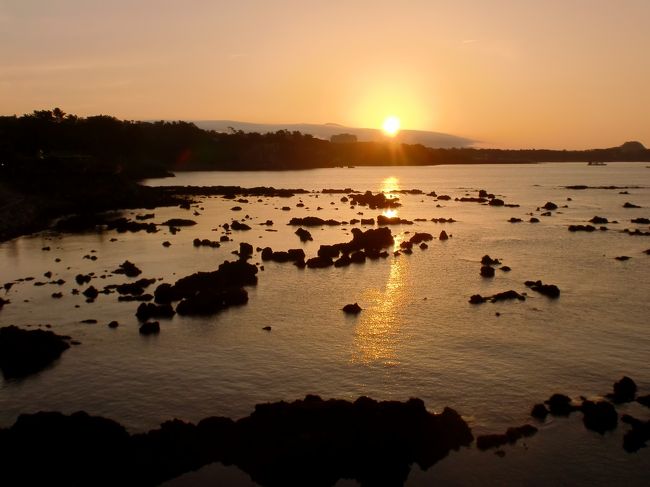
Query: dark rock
443, 197
560, 405
599, 416
550, 206
353, 309
443, 236
630, 205
319, 262
487, 271
91, 292
477, 299
443, 220
24, 352
624, 390
373, 201
515, 220
599, 220
312, 221
636, 438
420, 237
245, 250
343, 261
133, 288
581, 228
496, 202
128, 269
622, 257
506, 268
150, 310
303, 234
507, 295
641, 221
166, 243
82, 279
235, 225
511, 436
149, 328
358, 257
113, 324
385, 220
487, 260
539, 411
179, 222
550, 290
534, 220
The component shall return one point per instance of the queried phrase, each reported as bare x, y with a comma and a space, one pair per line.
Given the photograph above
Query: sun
391, 126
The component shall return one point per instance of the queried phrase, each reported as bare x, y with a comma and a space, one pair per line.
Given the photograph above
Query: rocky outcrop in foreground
24, 352
306, 442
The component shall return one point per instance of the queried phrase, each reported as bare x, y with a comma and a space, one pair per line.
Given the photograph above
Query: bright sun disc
391, 126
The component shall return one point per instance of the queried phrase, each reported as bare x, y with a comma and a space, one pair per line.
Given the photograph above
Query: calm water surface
417, 335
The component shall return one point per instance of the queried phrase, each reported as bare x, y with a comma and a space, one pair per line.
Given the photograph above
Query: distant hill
325, 131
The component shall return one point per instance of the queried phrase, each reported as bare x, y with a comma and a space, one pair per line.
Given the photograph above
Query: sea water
417, 335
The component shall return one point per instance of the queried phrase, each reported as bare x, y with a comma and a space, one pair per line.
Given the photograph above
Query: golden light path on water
379, 328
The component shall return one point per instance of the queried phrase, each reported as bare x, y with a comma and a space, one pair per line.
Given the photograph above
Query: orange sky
556, 74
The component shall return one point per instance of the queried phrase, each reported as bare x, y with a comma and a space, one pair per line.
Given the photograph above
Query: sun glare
391, 126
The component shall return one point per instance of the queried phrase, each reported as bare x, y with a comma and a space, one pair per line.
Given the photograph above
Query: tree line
53, 141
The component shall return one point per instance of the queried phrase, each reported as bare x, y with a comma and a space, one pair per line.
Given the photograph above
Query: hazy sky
510, 73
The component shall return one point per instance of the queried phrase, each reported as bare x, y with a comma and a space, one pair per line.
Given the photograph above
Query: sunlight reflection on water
379, 328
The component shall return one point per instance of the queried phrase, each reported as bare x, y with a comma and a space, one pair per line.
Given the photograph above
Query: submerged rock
24, 352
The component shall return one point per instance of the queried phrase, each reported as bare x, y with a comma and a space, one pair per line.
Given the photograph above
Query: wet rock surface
25, 352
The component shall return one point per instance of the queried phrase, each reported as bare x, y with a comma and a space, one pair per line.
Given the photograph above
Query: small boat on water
596, 163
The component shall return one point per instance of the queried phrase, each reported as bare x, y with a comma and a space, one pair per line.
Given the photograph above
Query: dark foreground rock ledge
307, 442
24, 352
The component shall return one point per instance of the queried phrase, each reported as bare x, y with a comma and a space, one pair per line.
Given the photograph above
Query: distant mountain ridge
325, 131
